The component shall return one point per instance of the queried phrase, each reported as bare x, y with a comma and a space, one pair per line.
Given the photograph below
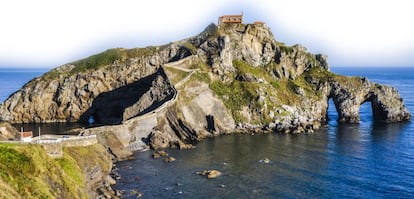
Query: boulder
210, 174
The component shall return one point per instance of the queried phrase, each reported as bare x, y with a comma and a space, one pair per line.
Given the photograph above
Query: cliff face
65, 93
231, 78
28, 172
8, 132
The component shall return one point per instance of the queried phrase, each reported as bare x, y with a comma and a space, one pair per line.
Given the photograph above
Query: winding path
170, 102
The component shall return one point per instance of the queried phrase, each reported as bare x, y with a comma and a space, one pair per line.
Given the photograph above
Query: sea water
11, 80
366, 160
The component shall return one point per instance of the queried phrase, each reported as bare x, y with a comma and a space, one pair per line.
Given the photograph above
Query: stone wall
79, 141
53, 147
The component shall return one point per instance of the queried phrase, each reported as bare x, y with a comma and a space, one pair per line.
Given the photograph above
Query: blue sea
12, 79
366, 160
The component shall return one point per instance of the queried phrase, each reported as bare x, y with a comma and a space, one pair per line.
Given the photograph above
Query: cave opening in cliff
331, 113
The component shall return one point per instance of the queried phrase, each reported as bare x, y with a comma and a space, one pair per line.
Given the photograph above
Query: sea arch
386, 103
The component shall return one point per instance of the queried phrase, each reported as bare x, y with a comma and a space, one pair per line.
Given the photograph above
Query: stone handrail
48, 141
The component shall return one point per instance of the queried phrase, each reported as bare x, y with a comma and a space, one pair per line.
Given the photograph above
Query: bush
96, 61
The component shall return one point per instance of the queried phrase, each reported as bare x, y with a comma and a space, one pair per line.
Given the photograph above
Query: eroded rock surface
232, 78
8, 132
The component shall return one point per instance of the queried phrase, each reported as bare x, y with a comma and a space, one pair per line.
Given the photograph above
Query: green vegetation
190, 47
70, 167
90, 155
201, 66
103, 59
259, 72
201, 76
236, 95
96, 61
267, 95
326, 76
175, 75
51, 75
138, 52
286, 49
284, 90
27, 171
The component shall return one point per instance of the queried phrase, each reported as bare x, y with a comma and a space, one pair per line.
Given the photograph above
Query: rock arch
386, 103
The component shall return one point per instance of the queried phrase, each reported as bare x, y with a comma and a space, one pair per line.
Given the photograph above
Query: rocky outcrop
8, 132
256, 45
65, 93
124, 103
231, 78
387, 105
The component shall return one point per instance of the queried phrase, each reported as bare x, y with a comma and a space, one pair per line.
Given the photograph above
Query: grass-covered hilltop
229, 78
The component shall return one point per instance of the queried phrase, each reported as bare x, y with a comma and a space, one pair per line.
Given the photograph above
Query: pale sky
49, 33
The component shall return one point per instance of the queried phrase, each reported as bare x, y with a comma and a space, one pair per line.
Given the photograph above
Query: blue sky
49, 33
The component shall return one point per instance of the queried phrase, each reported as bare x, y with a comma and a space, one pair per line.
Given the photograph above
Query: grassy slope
26, 171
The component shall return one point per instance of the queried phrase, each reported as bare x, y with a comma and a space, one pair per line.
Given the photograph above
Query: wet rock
158, 154
169, 159
158, 140
265, 161
136, 193
118, 193
210, 174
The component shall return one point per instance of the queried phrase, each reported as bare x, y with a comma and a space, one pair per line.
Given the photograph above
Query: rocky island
231, 78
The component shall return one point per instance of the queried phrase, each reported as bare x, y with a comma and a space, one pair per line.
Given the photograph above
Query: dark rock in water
118, 193
169, 159
265, 161
136, 193
157, 140
158, 154
210, 174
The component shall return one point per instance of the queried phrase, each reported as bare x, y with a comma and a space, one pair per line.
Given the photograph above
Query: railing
77, 138
48, 141
64, 139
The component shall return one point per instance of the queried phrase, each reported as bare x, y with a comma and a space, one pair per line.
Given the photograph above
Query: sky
49, 33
